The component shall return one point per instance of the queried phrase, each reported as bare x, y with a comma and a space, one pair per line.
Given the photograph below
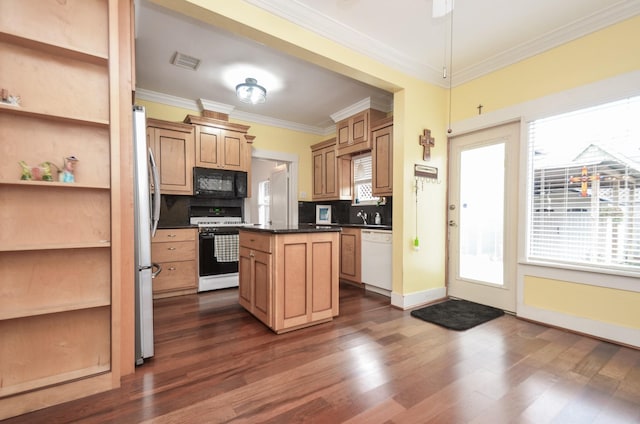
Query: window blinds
362, 175
583, 187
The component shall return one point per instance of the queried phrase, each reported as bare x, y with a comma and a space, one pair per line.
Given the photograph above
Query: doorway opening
274, 188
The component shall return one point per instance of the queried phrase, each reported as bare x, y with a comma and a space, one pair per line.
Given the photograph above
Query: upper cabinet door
353, 132
172, 145
221, 144
207, 146
382, 160
232, 150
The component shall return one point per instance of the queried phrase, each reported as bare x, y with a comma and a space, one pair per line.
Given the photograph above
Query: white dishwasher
376, 260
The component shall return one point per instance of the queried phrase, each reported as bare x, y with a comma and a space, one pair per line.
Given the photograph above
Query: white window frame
567, 223
610, 89
355, 200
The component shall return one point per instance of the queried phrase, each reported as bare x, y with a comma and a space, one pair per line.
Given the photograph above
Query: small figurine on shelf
67, 175
46, 171
9, 99
26, 171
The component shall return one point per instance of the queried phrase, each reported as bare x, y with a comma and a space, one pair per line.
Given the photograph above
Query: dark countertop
300, 228
176, 226
367, 227
289, 229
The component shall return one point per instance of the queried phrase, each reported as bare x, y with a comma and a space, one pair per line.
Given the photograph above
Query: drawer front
181, 234
173, 251
256, 241
175, 276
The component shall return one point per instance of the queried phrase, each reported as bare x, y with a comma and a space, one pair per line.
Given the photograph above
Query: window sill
599, 277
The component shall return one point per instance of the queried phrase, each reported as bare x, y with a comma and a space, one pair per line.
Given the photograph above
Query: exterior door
482, 216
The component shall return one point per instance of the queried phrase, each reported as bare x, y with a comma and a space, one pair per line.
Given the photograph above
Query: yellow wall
267, 138
619, 307
612, 51
604, 54
417, 105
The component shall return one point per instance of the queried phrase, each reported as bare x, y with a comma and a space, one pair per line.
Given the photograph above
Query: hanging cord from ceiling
450, 65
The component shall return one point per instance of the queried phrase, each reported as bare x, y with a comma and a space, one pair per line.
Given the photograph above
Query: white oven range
218, 245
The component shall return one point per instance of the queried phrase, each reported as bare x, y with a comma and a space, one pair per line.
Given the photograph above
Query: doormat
457, 315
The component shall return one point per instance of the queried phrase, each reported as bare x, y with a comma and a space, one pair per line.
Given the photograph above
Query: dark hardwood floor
372, 364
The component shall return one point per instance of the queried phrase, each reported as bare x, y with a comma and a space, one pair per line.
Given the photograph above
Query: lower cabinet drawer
256, 241
173, 251
176, 276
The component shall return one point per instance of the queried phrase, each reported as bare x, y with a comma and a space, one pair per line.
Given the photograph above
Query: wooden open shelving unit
60, 282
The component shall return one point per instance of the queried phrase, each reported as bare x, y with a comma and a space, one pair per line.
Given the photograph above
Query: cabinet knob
173, 268
171, 248
171, 235
252, 255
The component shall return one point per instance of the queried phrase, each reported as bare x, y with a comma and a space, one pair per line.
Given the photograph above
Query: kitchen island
289, 275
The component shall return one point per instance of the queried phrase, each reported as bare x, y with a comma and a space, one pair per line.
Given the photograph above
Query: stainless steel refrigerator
146, 214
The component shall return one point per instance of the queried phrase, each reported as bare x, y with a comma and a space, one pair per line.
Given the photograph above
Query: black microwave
219, 183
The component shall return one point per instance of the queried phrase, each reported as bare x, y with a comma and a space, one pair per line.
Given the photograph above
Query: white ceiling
487, 35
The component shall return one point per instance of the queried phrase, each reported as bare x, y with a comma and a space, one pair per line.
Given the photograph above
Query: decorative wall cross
584, 179
427, 142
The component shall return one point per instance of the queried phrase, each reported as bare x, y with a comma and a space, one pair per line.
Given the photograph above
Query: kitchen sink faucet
363, 215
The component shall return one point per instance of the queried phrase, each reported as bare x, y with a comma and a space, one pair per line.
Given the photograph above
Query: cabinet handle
171, 235
171, 248
173, 268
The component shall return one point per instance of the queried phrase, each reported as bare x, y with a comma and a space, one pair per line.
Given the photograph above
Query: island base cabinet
304, 280
294, 286
255, 283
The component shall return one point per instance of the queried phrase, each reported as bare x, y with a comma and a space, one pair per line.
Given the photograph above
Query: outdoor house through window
583, 178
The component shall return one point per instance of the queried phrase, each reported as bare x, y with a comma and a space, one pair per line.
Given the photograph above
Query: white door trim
503, 297
292, 160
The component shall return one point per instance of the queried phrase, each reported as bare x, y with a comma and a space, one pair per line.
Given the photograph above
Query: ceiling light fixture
250, 92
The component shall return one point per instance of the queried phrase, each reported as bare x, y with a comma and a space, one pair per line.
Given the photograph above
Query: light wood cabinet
175, 250
295, 283
256, 279
62, 253
351, 255
220, 144
172, 145
353, 133
382, 157
332, 175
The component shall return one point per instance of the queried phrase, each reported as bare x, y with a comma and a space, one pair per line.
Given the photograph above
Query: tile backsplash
343, 212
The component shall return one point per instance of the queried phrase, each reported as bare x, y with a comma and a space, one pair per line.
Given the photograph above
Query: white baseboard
616, 333
413, 300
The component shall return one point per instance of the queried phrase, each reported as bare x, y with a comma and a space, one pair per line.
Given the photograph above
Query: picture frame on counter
323, 214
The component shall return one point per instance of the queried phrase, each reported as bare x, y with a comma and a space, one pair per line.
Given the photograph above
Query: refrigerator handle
159, 267
156, 194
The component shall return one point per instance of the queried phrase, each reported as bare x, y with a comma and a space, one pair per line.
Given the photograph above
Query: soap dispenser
377, 220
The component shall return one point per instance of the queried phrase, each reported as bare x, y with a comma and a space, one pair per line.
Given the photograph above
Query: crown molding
577, 29
202, 104
166, 99
308, 18
381, 104
215, 106
280, 123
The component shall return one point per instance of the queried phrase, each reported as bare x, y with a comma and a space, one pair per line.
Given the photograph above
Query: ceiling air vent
185, 61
